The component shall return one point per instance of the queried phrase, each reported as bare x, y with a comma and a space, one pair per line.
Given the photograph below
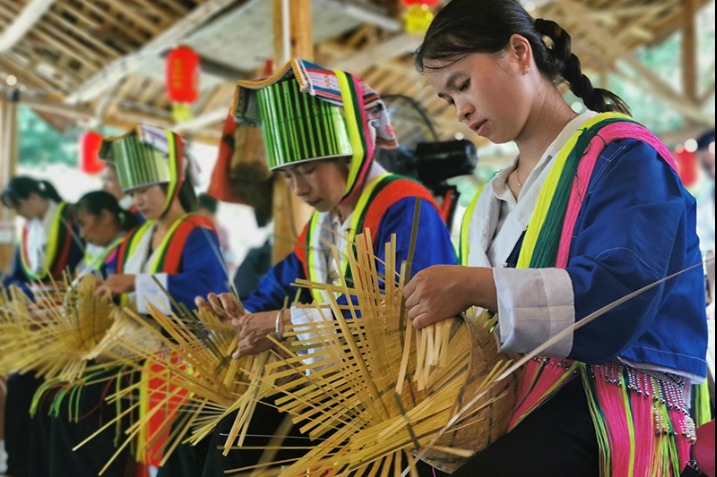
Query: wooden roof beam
126, 10
123, 119
396, 46
210, 117
78, 30
29, 79
117, 70
107, 21
109, 102
366, 14
26, 57
80, 113
30, 15
707, 94
689, 49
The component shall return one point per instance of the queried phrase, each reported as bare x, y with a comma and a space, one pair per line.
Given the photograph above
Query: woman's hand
225, 305
444, 291
116, 285
254, 328
38, 314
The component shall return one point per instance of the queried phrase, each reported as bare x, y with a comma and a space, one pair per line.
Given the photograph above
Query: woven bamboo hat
310, 113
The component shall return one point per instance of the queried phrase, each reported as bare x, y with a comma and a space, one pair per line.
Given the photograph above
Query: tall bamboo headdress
145, 156
308, 113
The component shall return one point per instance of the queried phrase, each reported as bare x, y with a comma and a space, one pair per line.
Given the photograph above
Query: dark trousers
18, 422
558, 439
52, 438
55, 437
186, 460
263, 426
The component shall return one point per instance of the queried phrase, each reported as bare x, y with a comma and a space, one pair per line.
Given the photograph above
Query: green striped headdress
146, 156
299, 127
308, 113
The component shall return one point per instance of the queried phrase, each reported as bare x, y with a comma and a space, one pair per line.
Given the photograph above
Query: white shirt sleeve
301, 315
533, 306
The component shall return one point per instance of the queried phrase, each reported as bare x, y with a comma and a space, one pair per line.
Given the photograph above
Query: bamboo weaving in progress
372, 391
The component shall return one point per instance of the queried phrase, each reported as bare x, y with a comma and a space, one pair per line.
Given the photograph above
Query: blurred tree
40, 143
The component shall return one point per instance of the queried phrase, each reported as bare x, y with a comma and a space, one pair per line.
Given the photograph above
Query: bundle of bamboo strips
371, 389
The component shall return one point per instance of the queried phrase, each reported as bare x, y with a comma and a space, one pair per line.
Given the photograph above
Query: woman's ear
520, 51
106, 217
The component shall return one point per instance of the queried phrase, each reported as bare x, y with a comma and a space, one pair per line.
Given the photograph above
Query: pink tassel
614, 414
646, 440
679, 421
644, 436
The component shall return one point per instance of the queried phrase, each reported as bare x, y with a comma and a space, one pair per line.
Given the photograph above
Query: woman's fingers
424, 319
253, 331
231, 305
201, 303
216, 306
102, 291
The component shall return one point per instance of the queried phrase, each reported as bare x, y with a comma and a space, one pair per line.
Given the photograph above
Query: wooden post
8, 162
292, 18
689, 49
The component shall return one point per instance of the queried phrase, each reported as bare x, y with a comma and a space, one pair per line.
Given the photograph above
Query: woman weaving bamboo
320, 129
174, 250
591, 210
79, 411
48, 249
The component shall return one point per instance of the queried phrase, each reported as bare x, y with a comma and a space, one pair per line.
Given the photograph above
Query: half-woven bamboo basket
54, 340
372, 391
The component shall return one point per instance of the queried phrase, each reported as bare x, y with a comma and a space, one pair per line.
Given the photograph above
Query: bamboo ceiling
101, 61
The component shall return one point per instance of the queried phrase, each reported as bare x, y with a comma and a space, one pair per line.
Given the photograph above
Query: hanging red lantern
428, 3
182, 80
418, 16
90, 162
686, 166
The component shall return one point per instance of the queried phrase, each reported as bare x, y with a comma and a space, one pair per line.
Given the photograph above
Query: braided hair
485, 26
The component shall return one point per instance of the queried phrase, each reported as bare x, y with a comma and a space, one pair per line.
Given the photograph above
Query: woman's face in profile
96, 229
320, 183
29, 208
491, 93
149, 201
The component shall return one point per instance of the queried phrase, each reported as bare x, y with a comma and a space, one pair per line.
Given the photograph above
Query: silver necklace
517, 178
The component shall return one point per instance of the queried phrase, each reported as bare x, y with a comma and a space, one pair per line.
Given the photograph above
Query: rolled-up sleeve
534, 305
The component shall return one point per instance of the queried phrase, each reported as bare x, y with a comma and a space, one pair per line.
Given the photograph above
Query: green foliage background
41, 144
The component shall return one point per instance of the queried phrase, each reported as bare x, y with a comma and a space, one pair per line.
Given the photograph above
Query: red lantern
686, 166
428, 3
182, 80
90, 162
